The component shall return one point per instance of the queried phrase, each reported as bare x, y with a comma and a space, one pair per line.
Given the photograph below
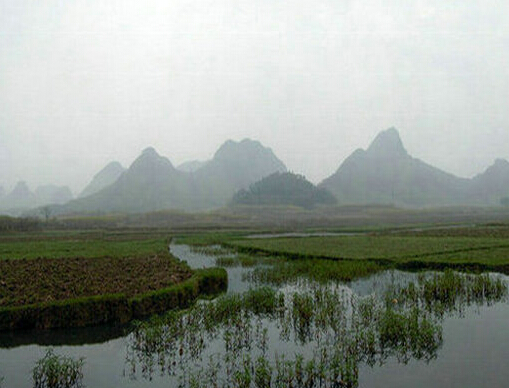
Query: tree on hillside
46, 212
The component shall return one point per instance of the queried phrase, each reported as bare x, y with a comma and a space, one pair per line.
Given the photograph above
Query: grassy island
81, 279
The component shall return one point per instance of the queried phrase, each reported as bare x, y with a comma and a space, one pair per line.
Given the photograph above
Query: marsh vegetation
428, 249
56, 371
296, 314
313, 336
301, 326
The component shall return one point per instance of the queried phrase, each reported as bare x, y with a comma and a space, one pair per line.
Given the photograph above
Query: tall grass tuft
54, 371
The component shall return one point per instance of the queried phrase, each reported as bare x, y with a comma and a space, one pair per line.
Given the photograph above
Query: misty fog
86, 83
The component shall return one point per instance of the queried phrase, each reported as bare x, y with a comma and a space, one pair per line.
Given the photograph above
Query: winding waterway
474, 351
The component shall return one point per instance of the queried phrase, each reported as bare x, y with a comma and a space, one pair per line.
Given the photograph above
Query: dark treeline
22, 224
273, 217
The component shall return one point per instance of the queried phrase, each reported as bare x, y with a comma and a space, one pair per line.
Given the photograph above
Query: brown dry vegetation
24, 281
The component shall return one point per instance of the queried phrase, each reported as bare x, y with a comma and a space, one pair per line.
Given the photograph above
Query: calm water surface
474, 353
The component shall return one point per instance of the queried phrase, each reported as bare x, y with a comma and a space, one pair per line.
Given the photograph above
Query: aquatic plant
449, 291
330, 330
342, 330
54, 371
245, 260
287, 270
226, 261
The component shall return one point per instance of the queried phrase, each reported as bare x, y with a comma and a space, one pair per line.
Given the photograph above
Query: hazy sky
86, 82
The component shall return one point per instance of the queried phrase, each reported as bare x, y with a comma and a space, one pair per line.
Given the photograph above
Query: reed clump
242, 340
449, 291
54, 371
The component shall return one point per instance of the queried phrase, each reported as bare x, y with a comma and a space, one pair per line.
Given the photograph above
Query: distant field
88, 263
483, 231
209, 238
489, 257
84, 245
487, 249
372, 247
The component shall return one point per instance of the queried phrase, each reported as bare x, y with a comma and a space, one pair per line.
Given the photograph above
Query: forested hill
284, 189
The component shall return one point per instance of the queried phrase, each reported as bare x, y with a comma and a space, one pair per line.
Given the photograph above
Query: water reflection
59, 337
305, 334
202, 258
467, 346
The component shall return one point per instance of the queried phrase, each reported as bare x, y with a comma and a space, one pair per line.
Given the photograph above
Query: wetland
296, 321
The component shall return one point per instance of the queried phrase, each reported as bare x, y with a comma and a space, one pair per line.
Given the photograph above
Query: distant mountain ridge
236, 165
192, 165
22, 198
152, 182
492, 185
386, 174
108, 175
51, 194
19, 198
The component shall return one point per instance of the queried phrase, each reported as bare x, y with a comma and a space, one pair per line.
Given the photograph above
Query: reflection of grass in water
409, 330
339, 331
284, 271
333, 330
54, 371
448, 291
341, 338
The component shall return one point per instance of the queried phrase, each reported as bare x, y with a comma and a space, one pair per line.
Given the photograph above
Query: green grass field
477, 247
373, 247
83, 245
491, 256
483, 250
